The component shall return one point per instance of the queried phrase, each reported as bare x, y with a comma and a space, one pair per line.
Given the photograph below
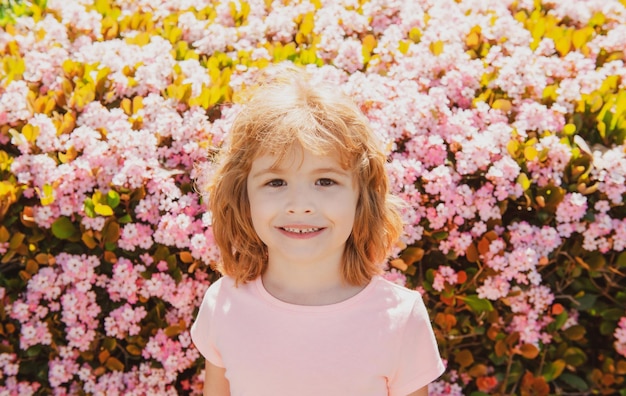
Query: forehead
297, 158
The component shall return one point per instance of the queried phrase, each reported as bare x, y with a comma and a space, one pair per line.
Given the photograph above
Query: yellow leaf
47, 195
602, 129
403, 47
598, 19
415, 35
175, 34
68, 156
140, 39
369, 42
30, 132
522, 180
308, 22
569, 129
579, 37
539, 29
472, 40
126, 106
513, 147
109, 28
137, 103
550, 92
69, 67
502, 104
559, 366
103, 210
436, 47
530, 153
563, 44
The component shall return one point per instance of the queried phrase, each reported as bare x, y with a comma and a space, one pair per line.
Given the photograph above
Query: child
303, 218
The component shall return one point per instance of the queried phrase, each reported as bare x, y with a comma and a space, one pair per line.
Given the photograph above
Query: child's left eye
325, 182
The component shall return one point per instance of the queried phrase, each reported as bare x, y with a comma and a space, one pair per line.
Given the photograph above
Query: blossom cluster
501, 120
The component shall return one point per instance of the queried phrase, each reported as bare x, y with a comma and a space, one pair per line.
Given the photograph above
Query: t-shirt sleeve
419, 362
204, 327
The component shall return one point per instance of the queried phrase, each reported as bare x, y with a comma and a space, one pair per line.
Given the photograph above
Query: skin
215, 382
303, 210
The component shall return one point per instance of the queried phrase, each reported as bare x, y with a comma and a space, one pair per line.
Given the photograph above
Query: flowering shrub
505, 124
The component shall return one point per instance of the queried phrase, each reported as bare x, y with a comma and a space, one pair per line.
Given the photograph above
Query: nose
300, 200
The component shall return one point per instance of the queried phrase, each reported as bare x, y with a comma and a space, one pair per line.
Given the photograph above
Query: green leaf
63, 228
33, 351
607, 328
560, 320
113, 199
612, 314
586, 302
477, 304
574, 381
125, 219
440, 235
109, 344
574, 356
553, 370
89, 208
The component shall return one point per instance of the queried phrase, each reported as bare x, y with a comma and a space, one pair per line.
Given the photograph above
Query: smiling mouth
301, 230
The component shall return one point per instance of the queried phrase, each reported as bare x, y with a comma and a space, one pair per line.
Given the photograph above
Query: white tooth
301, 230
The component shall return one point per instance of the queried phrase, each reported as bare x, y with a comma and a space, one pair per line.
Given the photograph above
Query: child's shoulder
216, 290
393, 298
383, 286
396, 306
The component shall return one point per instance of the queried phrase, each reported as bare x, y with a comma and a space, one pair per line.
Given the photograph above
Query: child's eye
276, 183
325, 182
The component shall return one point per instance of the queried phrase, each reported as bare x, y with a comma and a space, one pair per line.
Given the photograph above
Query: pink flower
13, 104
572, 208
136, 235
349, 55
620, 337
124, 321
395, 276
443, 275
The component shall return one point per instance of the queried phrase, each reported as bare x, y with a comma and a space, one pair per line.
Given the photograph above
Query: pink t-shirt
379, 342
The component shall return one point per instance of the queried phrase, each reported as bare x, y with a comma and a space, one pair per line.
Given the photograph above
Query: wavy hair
284, 110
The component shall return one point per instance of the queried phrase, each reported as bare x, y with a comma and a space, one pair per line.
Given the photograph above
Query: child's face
302, 208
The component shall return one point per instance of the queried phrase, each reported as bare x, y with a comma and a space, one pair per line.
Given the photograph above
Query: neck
316, 284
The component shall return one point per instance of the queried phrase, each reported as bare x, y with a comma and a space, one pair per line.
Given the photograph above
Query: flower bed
504, 121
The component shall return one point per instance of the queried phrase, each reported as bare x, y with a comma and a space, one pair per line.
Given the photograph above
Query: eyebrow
278, 171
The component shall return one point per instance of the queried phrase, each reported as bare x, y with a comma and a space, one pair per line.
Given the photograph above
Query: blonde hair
285, 110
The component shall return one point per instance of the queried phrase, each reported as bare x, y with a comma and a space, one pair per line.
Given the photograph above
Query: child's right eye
276, 183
